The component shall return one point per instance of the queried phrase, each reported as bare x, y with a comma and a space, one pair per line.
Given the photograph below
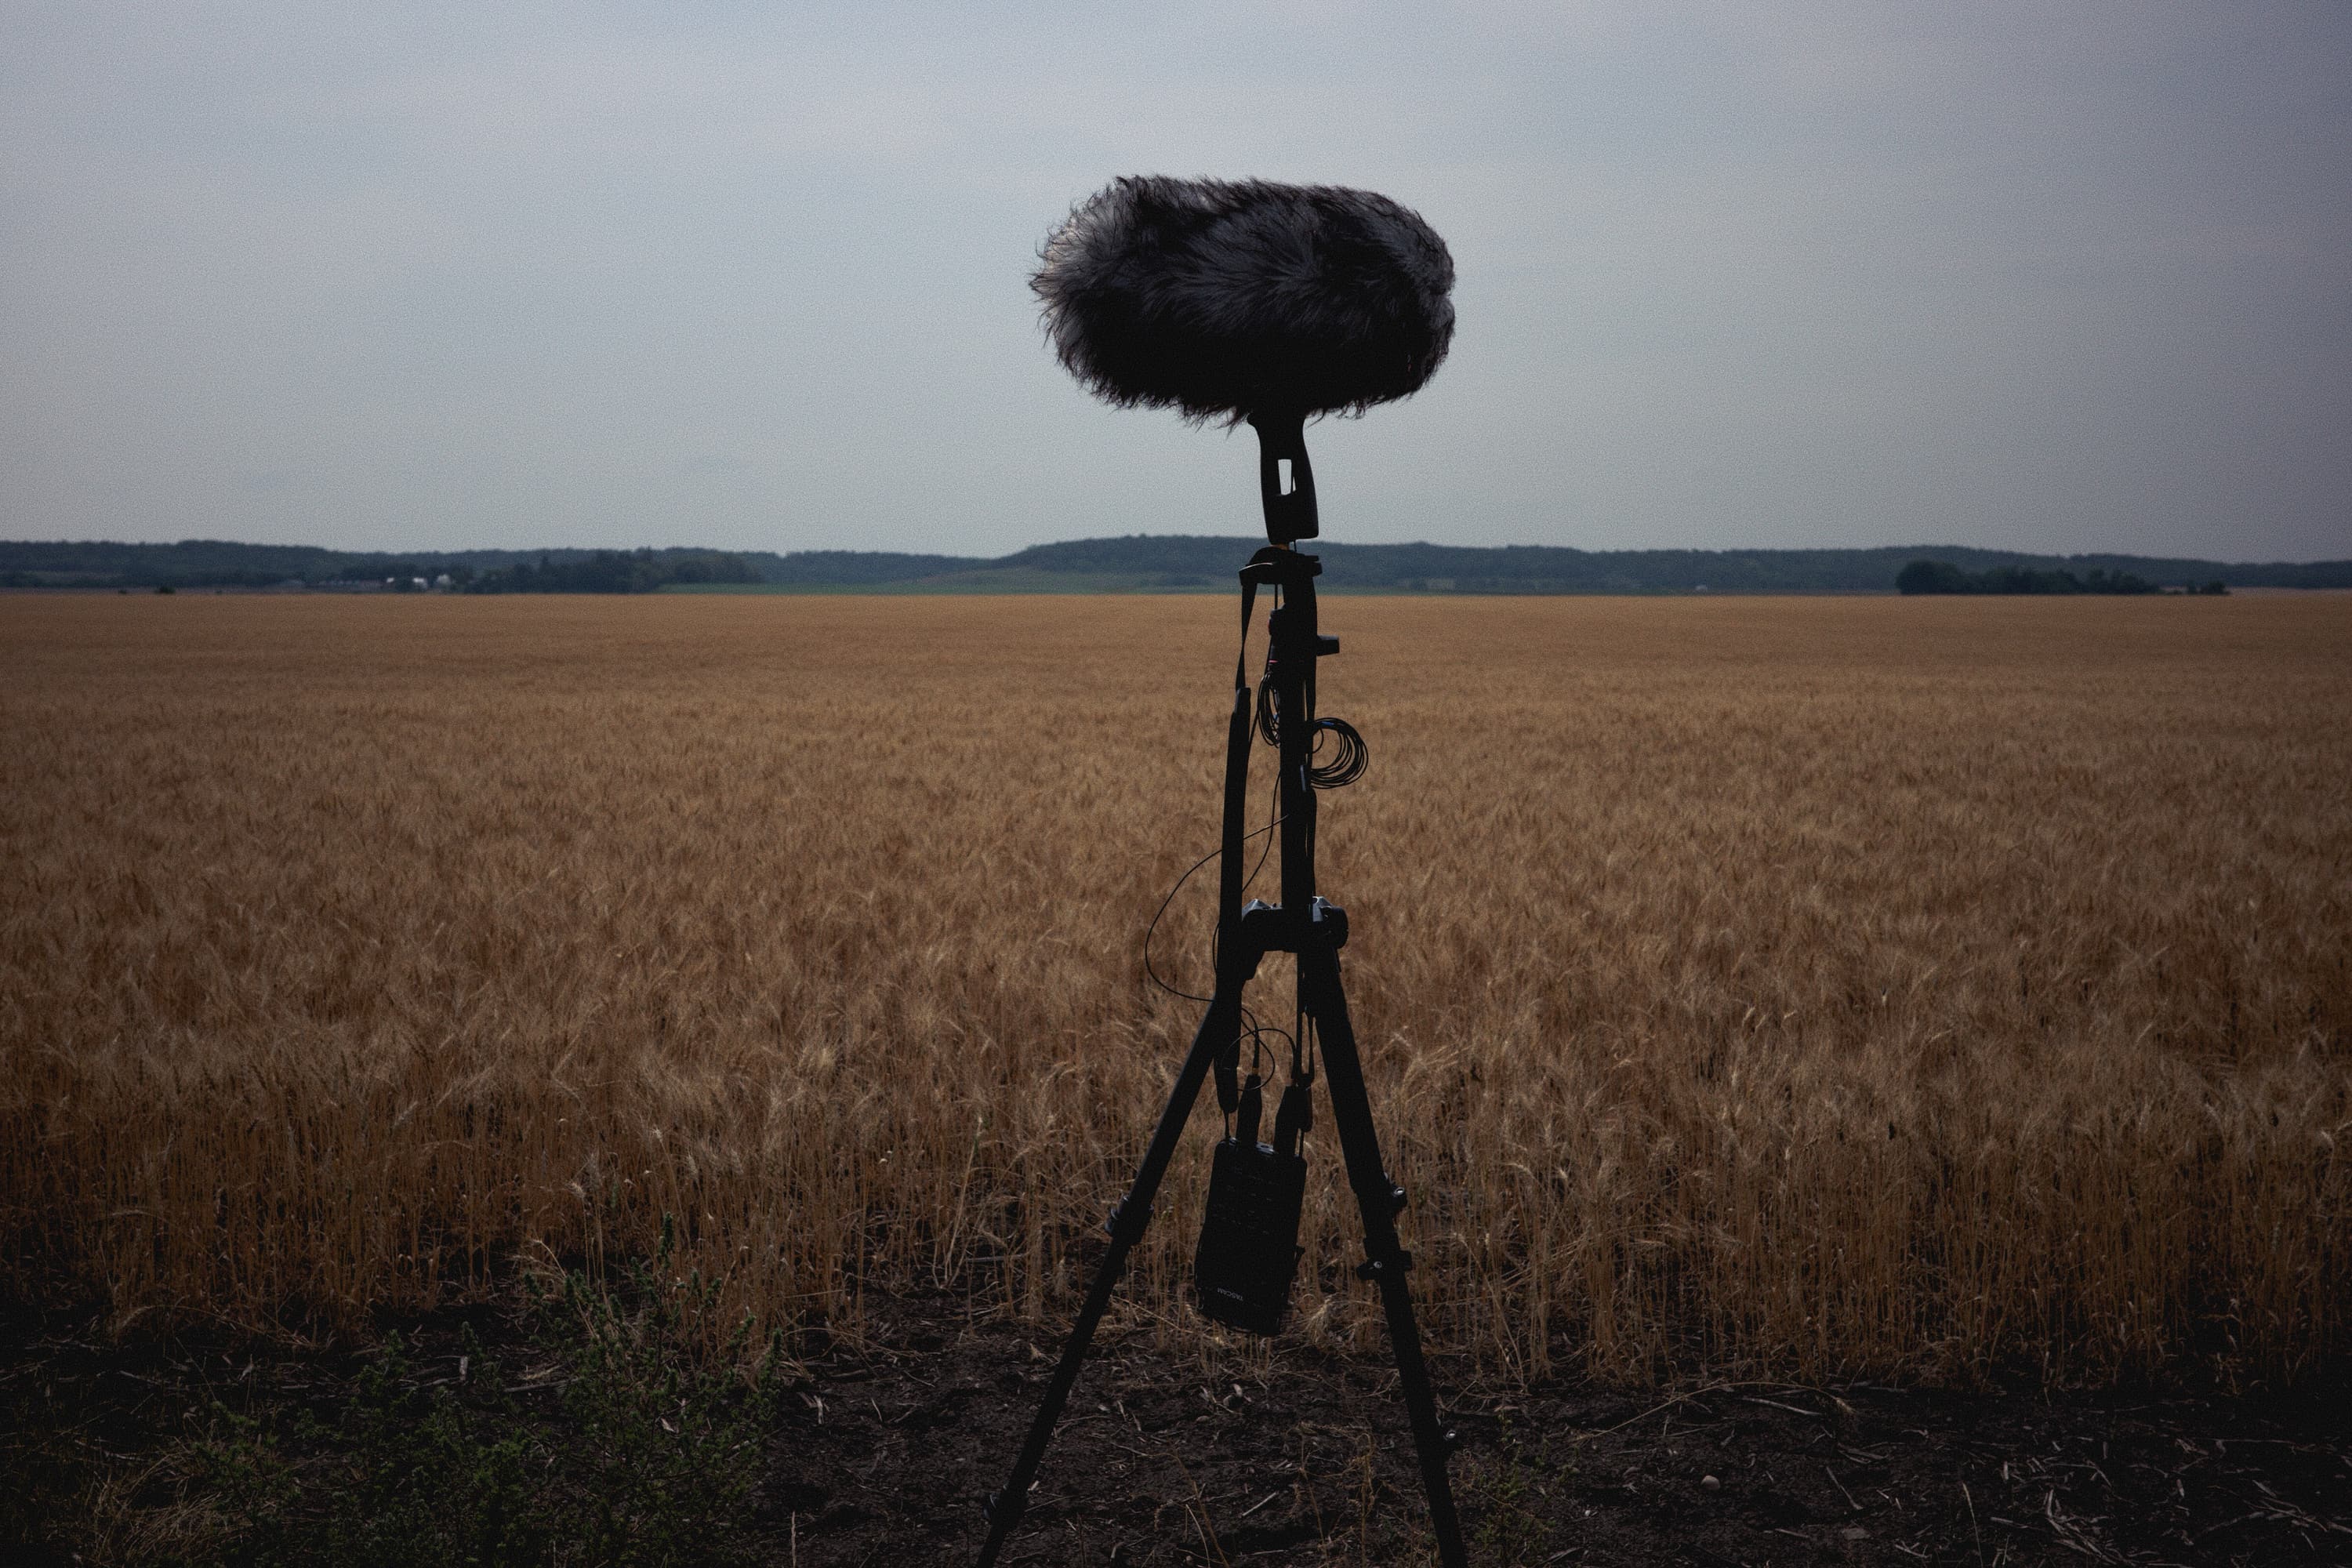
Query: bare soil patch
1184, 1449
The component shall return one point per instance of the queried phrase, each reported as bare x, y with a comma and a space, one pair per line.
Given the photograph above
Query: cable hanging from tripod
1153, 972
1253, 1029
1350, 755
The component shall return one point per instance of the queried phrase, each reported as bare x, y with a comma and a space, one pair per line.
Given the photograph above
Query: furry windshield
1224, 298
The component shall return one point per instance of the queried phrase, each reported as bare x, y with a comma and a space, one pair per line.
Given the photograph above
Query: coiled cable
1350, 755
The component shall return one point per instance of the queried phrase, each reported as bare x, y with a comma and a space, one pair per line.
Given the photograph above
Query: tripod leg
1219, 1026
1380, 1199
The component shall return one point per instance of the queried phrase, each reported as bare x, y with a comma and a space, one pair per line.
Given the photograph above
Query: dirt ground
1241, 1452
1245, 1457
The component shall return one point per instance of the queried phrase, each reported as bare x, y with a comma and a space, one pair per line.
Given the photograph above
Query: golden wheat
1842, 986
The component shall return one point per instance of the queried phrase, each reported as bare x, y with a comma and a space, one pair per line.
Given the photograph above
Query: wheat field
1839, 988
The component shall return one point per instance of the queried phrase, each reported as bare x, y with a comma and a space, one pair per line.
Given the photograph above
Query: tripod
1302, 924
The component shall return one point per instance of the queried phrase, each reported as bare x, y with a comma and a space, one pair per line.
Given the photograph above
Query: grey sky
2071, 277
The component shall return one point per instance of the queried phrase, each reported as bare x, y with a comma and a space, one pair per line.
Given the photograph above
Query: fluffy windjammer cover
1228, 299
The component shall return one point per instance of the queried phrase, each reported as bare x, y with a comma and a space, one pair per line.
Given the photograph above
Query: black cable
1349, 754
1273, 804
1273, 807
1349, 758
1162, 909
1179, 887
1258, 1034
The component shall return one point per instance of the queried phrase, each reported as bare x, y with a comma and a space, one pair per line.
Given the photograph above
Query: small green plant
666, 1450
240, 1471
1501, 1492
645, 1459
409, 1475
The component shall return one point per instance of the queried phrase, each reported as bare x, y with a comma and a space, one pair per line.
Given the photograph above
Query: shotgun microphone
1226, 299
1248, 300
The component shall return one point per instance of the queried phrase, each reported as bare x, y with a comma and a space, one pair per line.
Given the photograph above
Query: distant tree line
1943, 577
1171, 560
223, 564
614, 571
1137, 563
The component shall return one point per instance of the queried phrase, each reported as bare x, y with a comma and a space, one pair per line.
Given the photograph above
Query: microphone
1226, 300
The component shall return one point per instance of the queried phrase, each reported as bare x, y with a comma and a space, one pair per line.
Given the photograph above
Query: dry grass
1841, 986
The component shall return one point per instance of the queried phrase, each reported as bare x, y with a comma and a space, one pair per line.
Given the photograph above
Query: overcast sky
2070, 277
